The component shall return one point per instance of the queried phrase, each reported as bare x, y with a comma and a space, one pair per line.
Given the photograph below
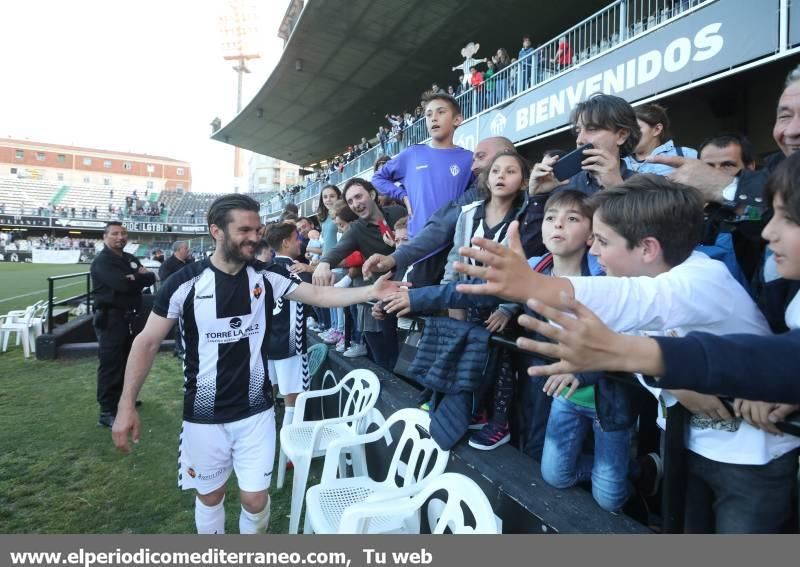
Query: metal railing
51, 302
590, 38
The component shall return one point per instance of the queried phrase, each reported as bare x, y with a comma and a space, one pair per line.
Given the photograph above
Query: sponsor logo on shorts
212, 476
200, 476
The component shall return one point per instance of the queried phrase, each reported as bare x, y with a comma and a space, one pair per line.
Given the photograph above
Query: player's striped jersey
224, 322
288, 332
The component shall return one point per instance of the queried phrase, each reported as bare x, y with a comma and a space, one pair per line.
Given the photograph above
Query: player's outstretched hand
384, 287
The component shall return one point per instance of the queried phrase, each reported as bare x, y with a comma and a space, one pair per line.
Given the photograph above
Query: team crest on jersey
191, 473
455, 170
257, 291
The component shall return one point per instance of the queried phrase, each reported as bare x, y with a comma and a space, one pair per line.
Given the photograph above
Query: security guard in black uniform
118, 279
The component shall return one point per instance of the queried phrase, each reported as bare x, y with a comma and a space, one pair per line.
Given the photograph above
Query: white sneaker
311, 323
340, 346
356, 350
325, 335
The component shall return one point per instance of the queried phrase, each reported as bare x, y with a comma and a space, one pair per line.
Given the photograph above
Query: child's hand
399, 303
377, 312
504, 268
497, 321
762, 415
703, 405
556, 384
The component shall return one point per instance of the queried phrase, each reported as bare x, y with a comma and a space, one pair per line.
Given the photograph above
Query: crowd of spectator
675, 231
20, 242
486, 80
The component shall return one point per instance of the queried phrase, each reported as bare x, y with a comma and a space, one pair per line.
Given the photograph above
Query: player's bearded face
241, 249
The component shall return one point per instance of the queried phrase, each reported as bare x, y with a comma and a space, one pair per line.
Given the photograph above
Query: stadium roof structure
347, 63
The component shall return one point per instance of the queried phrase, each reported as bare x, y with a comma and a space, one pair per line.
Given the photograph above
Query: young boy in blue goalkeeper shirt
427, 177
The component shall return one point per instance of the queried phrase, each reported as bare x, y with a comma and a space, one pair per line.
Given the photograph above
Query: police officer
118, 279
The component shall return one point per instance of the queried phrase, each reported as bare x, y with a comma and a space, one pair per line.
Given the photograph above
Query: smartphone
570, 164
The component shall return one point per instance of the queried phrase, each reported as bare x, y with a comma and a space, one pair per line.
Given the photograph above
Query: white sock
255, 523
288, 415
209, 519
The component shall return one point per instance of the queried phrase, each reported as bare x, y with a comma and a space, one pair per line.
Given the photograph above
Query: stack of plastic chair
417, 459
22, 326
38, 321
304, 440
466, 511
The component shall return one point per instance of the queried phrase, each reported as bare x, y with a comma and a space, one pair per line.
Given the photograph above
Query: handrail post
49, 305
783, 14
623, 20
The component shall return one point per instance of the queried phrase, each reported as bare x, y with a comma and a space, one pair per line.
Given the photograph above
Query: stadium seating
31, 194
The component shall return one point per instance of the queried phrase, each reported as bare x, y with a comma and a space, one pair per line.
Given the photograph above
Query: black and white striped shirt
224, 322
287, 336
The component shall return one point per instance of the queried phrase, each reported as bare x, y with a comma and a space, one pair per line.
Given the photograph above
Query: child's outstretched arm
435, 298
507, 274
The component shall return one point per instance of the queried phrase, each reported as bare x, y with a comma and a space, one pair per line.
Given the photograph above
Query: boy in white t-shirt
741, 479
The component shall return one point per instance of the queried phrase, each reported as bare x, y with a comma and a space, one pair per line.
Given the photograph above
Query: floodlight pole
241, 69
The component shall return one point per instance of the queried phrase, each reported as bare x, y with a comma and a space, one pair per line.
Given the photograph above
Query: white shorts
290, 374
207, 453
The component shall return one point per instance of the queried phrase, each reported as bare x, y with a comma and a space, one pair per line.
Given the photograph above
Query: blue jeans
564, 465
535, 413
740, 499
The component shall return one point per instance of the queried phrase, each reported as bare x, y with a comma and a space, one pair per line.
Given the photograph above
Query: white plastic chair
462, 493
302, 441
14, 314
23, 327
38, 322
416, 460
